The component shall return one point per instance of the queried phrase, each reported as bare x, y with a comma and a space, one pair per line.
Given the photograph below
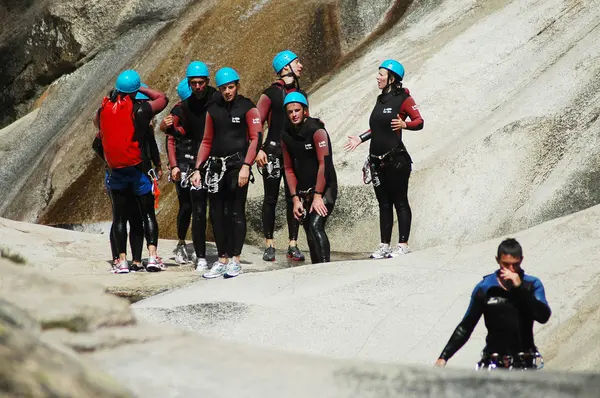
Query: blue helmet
393, 66
142, 96
293, 97
197, 69
225, 76
283, 59
184, 90
128, 82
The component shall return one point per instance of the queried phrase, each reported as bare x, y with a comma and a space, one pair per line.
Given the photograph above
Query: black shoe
295, 254
269, 254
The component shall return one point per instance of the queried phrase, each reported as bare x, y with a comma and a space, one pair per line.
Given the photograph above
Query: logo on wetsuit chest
308, 146
496, 300
387, 110
322, 144
235, 119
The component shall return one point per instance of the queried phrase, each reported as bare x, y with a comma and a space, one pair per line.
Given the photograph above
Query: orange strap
156, 193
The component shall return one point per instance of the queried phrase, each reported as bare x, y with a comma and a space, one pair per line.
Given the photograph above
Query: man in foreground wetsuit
510, 302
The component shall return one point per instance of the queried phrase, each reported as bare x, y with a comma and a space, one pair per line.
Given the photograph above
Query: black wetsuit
121, 198
134, 216
508, 315
183, 142
272, 111
391, 163
231, 139
309, 169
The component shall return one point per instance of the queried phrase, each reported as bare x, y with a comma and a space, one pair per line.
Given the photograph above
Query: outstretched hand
353, 142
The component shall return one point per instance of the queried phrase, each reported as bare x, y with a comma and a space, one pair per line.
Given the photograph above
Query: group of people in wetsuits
215, 136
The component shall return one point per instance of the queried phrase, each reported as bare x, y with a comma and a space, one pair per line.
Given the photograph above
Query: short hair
510, 247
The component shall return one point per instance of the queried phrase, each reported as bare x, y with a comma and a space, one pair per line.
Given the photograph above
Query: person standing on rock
185, 129
121, 141
270, 159
232, 136
389, 165
308, 162
133, 214
510, 301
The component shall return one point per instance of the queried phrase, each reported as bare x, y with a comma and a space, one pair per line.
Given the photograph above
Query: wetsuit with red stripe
232, 135
183, 141
391, 161
272, 111
308, 162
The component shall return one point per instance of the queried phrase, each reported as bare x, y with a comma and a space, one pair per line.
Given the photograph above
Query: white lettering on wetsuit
387, 110
235, 120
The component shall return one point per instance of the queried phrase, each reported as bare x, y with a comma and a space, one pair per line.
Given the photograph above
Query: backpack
117, 132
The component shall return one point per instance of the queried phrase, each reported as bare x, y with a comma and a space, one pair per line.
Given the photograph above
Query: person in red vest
121, 141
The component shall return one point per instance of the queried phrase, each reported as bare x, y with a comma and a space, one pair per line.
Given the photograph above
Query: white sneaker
181, 255
217, 270
233, 269
123, 267
399, 251
383, 251
201, 265
155, 264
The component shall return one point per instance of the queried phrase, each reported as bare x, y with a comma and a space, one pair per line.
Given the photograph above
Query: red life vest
117, 131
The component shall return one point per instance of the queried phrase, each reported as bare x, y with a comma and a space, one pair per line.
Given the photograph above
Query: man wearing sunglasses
185, 124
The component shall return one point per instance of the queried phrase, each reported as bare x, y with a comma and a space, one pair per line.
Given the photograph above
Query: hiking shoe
295, 254
136, 267
155, 264
217, 270
233, 269
399, 251
269, 254
201, 265
123, 267
383, 251
181, 255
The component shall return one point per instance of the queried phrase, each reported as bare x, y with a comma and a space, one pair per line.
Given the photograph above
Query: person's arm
97, 146
171, 151
254, 124
465, 328
366, 136
533, 296
264, 108
206, 146
321, 143
291, 179
158, 100
409, 108
153, 147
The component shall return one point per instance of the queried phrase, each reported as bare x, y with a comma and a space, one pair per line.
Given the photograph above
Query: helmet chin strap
293, 74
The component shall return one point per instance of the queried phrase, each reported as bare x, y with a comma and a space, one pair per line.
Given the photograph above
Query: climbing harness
531, 360
272, 168
305, 196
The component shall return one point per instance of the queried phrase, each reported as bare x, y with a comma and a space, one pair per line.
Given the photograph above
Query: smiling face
229, 91
295, 112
